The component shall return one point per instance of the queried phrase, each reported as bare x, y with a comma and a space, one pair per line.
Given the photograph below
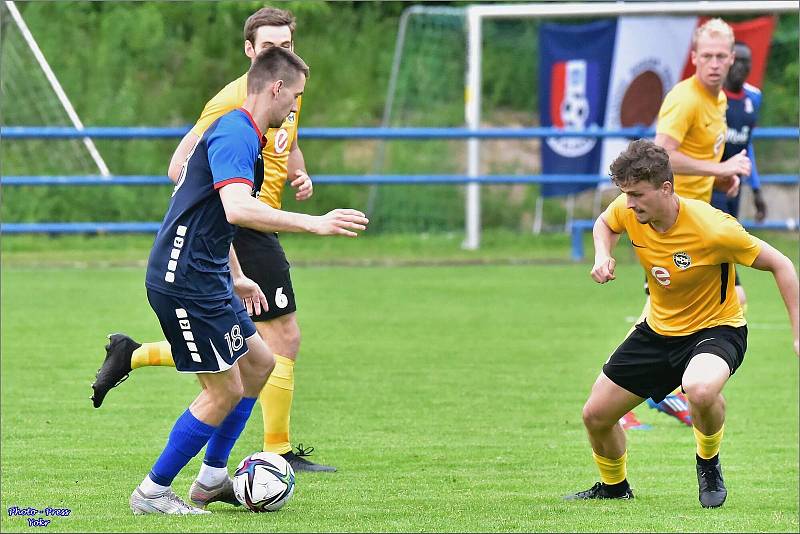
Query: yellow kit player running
691, 123
695, 335
264, 281
691, 127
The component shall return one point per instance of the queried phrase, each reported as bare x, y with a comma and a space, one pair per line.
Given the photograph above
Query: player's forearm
236, 268
295, 163
789, 287
683, 164
254, 214
604, 239
180, 155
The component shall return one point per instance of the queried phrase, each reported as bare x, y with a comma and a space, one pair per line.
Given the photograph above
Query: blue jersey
742, 116
190, 254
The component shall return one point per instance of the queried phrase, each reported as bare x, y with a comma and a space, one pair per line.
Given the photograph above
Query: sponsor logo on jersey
574, 105
290, 118
682, 260
736, 137
661, 275
281, 141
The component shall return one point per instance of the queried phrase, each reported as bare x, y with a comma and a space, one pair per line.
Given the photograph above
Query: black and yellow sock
151, 354
276, 406
708, 446
612, 472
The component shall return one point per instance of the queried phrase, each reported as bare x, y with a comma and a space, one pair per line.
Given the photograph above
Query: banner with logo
755, 33
574, 67
643, 70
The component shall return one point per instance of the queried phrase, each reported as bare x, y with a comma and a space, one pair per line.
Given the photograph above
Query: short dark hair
274, 63
267, 16
643, 160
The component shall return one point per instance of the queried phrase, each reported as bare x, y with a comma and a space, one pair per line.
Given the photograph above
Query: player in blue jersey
189, 284
744, 103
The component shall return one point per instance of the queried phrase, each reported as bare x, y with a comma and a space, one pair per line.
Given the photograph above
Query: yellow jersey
696, 119
279, 140
690, 271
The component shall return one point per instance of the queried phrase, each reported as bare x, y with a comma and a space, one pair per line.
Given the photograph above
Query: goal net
431, 79
31, 96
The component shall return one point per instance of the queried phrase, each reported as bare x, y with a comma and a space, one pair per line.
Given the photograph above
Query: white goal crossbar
476, 14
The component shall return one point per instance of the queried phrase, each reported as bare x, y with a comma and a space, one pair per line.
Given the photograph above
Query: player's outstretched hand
251, 294
603, 270
737, 165
303, 184
344, 222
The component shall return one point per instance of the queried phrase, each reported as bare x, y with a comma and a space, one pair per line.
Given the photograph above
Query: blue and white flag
574, 67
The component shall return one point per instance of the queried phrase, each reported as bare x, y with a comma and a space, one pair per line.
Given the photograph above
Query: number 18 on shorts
204, 336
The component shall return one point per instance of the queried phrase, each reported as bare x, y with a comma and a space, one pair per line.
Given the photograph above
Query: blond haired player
264, 281
695, 335
691, 123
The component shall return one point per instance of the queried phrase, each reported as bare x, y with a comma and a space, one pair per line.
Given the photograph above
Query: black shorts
651, 365
204, 336
262, 259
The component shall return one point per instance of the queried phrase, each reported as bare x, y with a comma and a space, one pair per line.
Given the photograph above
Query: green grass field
449, 397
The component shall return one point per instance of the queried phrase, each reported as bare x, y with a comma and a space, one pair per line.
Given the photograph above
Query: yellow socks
276, 406
708, 446
611, 471
158, 353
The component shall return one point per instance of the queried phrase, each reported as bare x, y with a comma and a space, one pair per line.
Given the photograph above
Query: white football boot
163, 503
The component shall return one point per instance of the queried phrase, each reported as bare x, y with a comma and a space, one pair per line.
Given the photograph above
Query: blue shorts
205, 336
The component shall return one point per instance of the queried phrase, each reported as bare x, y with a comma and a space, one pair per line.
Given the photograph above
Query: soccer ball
263, 482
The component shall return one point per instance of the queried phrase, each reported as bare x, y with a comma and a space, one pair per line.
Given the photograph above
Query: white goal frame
477, 13
56, 86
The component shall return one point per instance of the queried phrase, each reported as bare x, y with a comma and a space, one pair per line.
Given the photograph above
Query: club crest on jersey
682, 260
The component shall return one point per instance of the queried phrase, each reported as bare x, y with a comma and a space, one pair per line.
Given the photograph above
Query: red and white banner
649, 58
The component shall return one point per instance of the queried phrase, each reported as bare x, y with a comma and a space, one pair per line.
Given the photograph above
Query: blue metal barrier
96, 132
363, 179
33, 132
80, 228
583, 225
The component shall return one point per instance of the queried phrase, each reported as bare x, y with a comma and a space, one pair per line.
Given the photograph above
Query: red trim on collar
255, 126
736, 96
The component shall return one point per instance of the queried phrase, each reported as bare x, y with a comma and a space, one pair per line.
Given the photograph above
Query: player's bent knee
701, 394
596, 419
288, 333
259, 363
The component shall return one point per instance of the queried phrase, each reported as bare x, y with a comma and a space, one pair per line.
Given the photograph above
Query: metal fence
577, 228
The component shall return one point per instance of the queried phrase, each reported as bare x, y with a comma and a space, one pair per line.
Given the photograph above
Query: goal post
21, 60
477, 14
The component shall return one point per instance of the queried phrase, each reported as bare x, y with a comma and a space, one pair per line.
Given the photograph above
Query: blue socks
222, 441
186, 439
